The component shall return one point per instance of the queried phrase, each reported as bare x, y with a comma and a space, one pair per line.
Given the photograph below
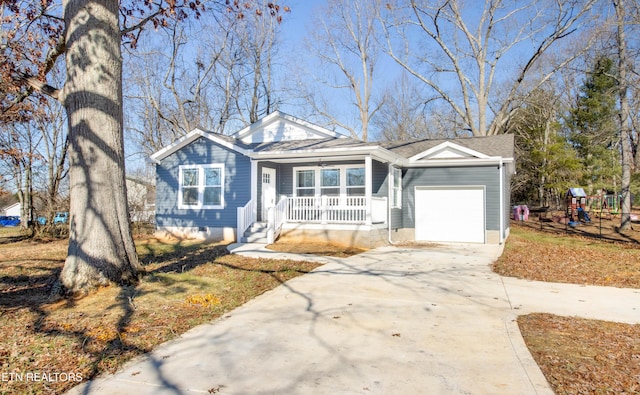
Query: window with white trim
201, 186
340, 180
396, 187
305, 183
355, 181
329, 182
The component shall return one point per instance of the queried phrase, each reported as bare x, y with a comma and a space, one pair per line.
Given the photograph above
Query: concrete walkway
390, 321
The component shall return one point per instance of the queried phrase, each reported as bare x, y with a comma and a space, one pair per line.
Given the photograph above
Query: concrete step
257, 227
254, 239
257, 233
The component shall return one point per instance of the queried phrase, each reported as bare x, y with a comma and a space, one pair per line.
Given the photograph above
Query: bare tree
346, 41
18, 152
404, 115
462, 52
258, 43
219, 78
53, 152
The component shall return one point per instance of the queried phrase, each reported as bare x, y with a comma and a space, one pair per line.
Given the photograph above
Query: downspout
389, 197
500, 170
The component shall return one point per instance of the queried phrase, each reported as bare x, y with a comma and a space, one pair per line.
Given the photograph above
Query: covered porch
320, 193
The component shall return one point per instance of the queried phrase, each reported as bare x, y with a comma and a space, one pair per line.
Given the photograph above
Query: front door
268, 190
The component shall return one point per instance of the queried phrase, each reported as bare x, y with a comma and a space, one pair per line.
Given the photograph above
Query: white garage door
450, 214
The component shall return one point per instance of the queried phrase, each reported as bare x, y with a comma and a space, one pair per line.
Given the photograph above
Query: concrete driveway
390, 321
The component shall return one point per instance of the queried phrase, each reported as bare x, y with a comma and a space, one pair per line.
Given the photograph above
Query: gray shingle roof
499, 145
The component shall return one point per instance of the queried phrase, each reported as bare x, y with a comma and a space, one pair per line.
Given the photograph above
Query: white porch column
254, 186
368, 177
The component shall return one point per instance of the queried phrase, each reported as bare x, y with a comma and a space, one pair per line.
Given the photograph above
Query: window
396, 187
330, 182
305, 182
355, 181
190, 187
337, 180
201, 186
266, 178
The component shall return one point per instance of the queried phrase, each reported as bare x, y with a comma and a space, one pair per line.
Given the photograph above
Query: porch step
257, 227
257, 233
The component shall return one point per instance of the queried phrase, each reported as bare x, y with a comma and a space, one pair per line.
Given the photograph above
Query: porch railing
336, 209
357, 210
246, 216
275, 218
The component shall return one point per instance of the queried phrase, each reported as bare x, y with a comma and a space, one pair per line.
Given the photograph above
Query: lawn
187, 284
191, 283
577, 356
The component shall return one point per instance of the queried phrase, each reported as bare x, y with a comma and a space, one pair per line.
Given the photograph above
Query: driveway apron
389, 321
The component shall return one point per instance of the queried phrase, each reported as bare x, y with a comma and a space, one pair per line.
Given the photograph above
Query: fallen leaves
580, 356
540, 256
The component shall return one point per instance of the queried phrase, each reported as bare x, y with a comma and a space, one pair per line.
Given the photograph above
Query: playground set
579, 208
576, 212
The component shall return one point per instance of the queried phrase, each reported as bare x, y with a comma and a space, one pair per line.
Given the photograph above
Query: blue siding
481, 175
379, 182
237, 188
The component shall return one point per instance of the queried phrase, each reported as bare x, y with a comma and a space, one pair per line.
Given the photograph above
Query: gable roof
492, 146
283, 127
304, 139
195, 134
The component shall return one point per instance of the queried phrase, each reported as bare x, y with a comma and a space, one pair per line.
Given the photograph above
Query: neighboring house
141, 199
13, 210
309, 182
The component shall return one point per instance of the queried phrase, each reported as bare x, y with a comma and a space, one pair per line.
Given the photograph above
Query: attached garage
450, 214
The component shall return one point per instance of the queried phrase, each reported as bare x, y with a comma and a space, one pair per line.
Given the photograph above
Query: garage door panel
450, 214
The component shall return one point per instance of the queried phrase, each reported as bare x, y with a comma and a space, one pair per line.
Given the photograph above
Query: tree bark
625, 128
101, 248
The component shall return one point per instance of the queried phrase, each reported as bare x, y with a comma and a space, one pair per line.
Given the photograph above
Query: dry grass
186, 285
315, 248
577, 356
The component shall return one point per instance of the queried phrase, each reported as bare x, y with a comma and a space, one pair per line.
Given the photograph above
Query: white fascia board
445, 145
490, 160
176, 145
324, 131
254, 127
259, 123
375, 151
191, 137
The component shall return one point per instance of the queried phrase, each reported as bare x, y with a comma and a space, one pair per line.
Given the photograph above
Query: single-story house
283, 175
14, 210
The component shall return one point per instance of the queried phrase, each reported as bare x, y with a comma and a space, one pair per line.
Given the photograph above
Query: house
14, 210
141, 199
283, 175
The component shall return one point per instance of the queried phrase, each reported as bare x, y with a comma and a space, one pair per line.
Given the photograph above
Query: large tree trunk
625, 128
101, 248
